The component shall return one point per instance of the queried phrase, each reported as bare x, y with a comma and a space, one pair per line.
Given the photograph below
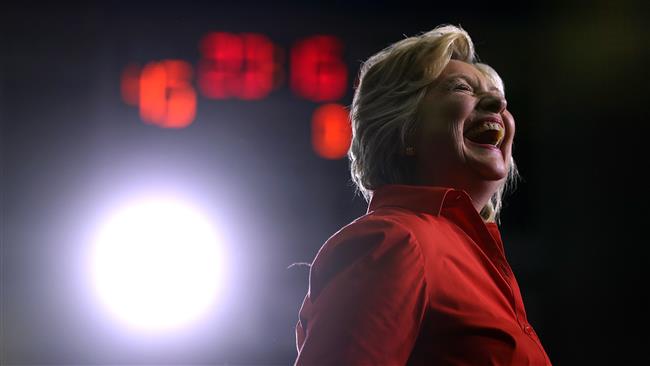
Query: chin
491, 172
490, 167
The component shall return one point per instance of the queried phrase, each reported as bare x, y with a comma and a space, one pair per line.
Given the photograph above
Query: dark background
576, 82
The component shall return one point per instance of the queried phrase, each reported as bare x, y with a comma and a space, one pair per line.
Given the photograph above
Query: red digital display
318, 72
331, 132
237, 66
246, 66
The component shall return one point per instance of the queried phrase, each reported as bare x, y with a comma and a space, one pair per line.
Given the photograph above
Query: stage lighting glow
157, 265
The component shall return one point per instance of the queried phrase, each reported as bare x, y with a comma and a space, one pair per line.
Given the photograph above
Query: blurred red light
331, 133
167, 98
261, 68
318, 72
240, 66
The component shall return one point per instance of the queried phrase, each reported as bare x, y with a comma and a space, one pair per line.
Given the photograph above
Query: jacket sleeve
367, 297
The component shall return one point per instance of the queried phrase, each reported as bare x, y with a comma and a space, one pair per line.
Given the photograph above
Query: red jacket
420, 279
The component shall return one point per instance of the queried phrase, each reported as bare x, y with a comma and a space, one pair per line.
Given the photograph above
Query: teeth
477, 130
486, 126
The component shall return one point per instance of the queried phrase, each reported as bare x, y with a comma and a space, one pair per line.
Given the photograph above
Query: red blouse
420, 279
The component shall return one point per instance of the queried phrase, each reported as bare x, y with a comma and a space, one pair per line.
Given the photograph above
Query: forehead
461, 68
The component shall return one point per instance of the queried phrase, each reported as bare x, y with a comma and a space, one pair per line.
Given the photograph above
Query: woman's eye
463, 87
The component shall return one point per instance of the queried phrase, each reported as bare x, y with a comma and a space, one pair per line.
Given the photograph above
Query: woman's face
465, 132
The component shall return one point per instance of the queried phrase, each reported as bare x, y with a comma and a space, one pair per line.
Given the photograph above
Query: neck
479, 191
481, 195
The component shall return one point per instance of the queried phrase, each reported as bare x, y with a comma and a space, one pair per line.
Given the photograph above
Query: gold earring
410, 151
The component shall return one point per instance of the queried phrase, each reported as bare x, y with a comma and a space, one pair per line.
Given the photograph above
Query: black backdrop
575, 81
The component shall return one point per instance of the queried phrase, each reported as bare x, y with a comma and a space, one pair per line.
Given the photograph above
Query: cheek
454, 110
455, 115
441, 124
510, 122
449, 116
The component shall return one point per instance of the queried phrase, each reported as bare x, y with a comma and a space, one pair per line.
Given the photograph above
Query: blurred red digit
167, 98
331, 132
237, 66
318, 72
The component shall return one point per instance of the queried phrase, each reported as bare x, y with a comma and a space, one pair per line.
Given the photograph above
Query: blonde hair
384, 109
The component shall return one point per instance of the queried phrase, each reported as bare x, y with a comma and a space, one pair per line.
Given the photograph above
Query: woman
422, 278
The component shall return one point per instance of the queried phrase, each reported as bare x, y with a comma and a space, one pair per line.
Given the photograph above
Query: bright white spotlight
157, 265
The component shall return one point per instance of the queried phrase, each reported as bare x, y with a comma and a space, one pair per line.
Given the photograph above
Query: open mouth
486, 133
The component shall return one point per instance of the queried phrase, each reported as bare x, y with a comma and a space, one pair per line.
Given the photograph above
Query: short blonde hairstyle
384, 109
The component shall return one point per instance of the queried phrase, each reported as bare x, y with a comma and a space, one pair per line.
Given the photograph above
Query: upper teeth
487, 126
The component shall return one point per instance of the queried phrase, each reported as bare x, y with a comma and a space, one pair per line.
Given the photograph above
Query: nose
493, 102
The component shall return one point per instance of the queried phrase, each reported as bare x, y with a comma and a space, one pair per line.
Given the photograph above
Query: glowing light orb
156, 265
